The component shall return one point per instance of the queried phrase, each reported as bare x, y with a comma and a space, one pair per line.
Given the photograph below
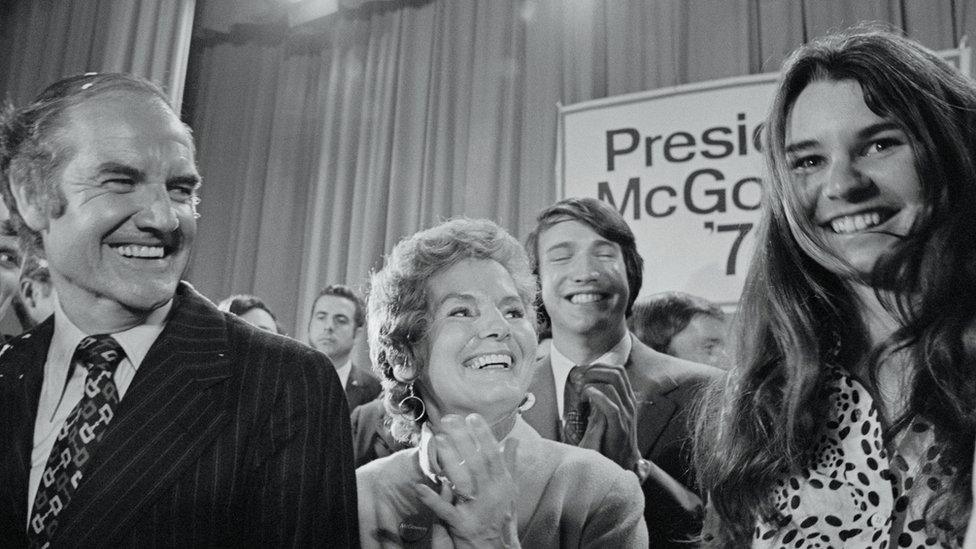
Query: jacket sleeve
674, 513
617, 520
306, 489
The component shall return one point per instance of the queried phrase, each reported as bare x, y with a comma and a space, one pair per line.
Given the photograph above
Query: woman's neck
500, 426
893, 379
504, 425
880, 323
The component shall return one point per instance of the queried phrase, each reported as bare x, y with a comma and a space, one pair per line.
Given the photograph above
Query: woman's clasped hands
477, 499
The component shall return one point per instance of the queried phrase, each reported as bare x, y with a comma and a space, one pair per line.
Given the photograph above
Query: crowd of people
838, 411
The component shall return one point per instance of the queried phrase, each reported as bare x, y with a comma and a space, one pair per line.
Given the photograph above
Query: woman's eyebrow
801, 145
879, 127
455, 295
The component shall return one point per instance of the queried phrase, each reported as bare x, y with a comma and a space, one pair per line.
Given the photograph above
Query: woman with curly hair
849, 418
451, 327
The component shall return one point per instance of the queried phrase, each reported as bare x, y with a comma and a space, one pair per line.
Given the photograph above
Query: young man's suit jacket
361, 387
371, 439
228, 436
666, 389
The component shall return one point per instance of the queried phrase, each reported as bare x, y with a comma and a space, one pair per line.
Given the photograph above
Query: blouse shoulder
611, 498
857, 489
386, 475
387, 502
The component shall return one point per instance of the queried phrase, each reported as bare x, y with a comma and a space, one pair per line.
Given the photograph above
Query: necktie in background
575, 410
82, 431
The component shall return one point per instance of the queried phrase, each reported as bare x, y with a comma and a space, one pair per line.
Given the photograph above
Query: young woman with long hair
848, 419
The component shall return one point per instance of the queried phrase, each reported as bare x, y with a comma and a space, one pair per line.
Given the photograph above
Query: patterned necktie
81, 432
575, 411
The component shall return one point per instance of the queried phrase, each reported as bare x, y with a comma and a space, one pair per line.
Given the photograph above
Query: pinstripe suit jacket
227, 436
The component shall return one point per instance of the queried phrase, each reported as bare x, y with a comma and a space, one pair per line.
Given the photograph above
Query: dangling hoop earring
527, 403
403, 404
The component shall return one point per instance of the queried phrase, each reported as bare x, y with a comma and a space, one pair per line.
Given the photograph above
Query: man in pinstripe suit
139, 414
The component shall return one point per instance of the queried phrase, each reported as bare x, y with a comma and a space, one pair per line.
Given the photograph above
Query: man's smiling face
583, 278
124, 233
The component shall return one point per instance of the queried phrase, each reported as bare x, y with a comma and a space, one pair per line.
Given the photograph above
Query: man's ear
30, 206
27, 292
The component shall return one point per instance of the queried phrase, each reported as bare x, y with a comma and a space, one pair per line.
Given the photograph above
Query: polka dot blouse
858, 493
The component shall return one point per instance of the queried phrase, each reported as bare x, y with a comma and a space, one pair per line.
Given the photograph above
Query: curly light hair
398, 316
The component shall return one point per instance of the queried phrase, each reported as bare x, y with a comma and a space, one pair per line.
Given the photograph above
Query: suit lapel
173, 410
355, 392
651, 384
383, 443
543, 416
21, 375
648, 378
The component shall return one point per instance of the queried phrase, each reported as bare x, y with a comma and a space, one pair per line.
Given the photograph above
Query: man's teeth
856, 222
488, 362
585, 298
141, 251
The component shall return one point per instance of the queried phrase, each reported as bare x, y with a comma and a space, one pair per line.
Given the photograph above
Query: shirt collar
135, 341
344, 371
617, 355
521, 430
423, 454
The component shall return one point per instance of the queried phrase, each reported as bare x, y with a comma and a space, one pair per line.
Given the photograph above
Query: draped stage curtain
323, 144
44, 40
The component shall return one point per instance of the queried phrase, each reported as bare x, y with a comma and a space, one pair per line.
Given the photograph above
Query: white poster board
683, 165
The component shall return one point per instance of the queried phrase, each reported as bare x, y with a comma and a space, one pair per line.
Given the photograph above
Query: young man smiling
627, 401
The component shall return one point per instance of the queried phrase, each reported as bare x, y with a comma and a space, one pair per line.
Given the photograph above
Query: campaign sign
684, 166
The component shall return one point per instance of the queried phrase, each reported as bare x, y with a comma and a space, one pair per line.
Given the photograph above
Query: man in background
13, 317
139, 414
251, 309
337, 319
600, 387
684, 326
36, 293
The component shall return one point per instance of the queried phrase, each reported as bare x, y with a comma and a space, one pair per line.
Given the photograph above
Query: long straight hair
798, 317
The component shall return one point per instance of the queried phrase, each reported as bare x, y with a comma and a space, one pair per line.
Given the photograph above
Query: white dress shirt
343, 372
616, 356
60, 394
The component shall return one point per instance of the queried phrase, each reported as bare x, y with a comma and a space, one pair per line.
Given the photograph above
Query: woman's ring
461, 497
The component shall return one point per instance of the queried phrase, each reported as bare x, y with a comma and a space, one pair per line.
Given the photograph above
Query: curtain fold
410, 112
42, 41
